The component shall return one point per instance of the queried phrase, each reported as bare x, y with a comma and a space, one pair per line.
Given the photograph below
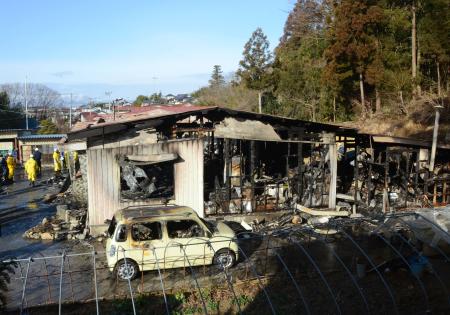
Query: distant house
8, 139
45, 143
170, 98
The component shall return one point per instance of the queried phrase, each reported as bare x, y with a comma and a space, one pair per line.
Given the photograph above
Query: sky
88, 47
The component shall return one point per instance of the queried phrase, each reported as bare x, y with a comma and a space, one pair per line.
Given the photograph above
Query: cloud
61, 74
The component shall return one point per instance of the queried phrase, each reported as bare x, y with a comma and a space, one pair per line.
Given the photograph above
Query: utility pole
435, 136
70, 113
108, 94
26, 103
260, 102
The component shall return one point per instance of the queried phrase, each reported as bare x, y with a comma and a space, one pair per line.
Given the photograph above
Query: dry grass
417, 123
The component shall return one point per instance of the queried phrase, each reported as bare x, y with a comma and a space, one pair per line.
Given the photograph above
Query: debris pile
66, 224
314, 218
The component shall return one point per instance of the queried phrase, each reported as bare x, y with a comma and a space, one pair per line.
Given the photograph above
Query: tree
4, 100
217, 78
141, 99
231, 95
434, 38
10, 117
40, 98
299, 62
46, 127
157, 98
254, 68
353, 53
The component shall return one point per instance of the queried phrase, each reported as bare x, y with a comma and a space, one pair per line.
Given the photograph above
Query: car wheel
125, 271
224, 258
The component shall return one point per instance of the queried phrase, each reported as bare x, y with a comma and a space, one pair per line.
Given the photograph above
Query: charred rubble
140, 180
226, 162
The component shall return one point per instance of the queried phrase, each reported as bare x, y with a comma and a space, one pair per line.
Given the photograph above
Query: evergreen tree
254, 68
217, 78
156, 98
299, 63
354, 54
46, 126
434, 42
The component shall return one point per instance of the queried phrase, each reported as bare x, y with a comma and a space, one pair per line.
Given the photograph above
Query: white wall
104, 177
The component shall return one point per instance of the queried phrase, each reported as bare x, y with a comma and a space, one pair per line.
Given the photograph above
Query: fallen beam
322, 212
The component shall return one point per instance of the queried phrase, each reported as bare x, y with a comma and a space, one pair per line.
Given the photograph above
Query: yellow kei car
161, 237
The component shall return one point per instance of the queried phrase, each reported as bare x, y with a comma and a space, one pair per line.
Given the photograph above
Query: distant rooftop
126, 113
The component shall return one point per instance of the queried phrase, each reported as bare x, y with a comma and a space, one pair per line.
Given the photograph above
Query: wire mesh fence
343, 266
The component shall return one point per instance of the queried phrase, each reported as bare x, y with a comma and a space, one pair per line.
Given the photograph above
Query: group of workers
7, 165
33, 165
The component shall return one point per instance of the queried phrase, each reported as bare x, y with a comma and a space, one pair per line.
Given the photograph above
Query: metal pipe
162, 283
195, 279
129, 281
95, 283
422, 287
391, 294
435, 273
260, 282
25, 285
299, 291
435, 136
309, 257
60, 282
338, 258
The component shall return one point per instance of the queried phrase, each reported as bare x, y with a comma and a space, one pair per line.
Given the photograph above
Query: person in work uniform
38, 156
31, 168
76, 161
11, 163
57, 162
3, 169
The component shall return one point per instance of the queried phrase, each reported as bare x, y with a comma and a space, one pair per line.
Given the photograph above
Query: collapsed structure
220, 161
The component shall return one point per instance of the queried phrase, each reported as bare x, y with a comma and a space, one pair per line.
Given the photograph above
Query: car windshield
112, 227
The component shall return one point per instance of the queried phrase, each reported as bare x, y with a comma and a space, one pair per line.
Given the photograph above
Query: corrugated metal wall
104, 177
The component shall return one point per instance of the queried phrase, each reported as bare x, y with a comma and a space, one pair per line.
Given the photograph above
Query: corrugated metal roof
184, 111
133, 113
49, 136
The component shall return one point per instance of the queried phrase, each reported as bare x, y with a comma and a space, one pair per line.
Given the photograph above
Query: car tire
224, 258
124, 271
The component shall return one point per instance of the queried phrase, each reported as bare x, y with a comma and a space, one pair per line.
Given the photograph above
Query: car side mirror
208, 234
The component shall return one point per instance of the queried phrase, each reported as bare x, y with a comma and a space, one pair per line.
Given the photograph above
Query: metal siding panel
95, 186
193, 178
90, 175
116, 180
200, 183
94, 176
110, 180
101, 186
104, 177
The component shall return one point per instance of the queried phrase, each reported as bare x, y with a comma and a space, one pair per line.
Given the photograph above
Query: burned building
220, 161
395, 172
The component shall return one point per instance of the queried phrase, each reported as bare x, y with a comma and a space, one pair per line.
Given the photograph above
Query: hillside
417, 123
